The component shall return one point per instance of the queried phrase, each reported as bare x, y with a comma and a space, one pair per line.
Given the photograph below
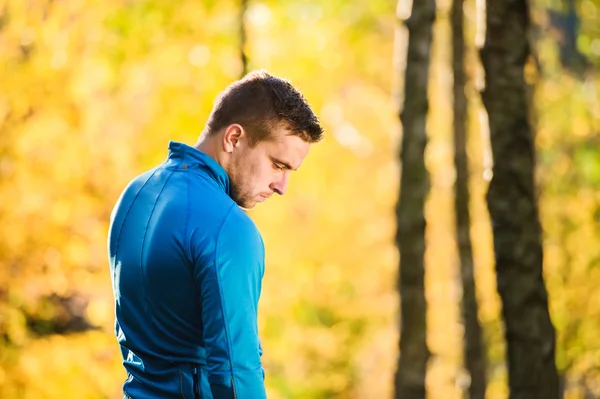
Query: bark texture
473, 353
511, 198
414, 188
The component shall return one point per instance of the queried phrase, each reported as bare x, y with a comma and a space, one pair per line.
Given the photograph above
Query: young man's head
260, 130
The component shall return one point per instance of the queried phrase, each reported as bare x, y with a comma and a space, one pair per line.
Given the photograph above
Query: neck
209, 146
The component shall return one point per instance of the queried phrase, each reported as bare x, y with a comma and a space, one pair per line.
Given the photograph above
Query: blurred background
92, 91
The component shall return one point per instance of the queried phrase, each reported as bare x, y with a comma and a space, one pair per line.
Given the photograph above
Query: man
187, 263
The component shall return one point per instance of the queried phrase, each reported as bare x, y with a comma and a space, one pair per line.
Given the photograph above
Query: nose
280, 185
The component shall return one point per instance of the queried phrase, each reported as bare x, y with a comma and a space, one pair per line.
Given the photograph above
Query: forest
442, 241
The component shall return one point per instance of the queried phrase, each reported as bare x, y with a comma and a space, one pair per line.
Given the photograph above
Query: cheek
261, 173
258, 175
265, 175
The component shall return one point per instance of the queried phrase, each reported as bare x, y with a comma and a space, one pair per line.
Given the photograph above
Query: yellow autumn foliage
92, 91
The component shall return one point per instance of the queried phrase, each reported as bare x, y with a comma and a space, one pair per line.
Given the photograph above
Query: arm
230, 289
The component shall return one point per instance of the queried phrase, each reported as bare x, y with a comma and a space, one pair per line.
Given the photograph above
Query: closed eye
277, 164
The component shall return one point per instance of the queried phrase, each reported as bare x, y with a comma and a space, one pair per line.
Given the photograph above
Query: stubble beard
240, 198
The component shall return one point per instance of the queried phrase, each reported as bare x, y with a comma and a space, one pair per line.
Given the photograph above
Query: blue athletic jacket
186, 265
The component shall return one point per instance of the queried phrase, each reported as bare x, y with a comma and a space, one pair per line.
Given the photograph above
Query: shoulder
138, 181
239, 236
239, 225
218, 228
131, 190
239, 251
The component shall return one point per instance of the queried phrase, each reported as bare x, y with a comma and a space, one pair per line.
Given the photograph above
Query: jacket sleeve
230, 289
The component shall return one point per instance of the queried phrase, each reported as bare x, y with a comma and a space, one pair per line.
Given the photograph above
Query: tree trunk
414, 187
530, 335
243, 56
474, 359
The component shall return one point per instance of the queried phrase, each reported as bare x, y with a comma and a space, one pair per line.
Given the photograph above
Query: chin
247, 205
243, 203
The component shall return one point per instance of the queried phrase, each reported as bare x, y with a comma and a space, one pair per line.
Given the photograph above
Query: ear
232, 136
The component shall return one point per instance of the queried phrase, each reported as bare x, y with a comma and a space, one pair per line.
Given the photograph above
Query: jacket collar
187, 157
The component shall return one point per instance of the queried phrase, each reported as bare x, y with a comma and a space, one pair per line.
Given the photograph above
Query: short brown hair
258, 102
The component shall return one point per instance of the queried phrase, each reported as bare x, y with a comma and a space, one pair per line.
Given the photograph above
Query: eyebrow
285, 164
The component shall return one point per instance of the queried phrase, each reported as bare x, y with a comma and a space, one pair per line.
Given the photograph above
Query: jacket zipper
233, 386
196, 391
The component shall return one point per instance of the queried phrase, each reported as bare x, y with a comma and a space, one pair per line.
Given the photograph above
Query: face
256, 173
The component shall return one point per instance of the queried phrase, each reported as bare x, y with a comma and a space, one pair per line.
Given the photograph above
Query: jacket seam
181, 385
221, 297
188, 212
144, 238
129, 210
